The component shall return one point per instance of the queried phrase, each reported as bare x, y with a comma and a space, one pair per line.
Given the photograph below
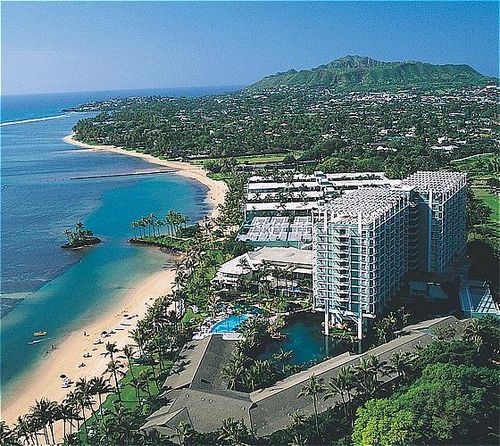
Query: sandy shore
44, 379
217, 189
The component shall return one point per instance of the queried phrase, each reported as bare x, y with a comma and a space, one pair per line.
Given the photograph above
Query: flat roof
367, 204
276, 206
436, 181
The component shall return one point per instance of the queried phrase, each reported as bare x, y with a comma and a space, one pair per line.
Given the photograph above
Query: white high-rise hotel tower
366, 242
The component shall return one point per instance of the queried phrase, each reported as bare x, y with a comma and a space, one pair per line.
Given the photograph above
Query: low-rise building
297, 262
476, 299
278, 212
197, 394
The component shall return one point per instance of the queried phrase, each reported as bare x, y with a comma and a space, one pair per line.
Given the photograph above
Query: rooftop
366, 204
291, 257
476, 299
435, 181
267, 410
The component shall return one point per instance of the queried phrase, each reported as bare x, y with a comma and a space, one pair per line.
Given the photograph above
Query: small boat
36, 342
39, 333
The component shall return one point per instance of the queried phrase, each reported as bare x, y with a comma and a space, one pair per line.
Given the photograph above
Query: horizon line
236, 86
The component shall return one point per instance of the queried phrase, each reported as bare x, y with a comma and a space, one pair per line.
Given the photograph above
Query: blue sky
84, 46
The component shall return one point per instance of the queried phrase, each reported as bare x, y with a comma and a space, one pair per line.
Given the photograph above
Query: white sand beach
44, 380
217, 189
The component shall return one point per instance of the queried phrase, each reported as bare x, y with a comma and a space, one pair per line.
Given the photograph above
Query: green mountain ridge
365, 73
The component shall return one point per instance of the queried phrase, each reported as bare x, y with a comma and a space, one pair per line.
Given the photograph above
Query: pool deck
211, 326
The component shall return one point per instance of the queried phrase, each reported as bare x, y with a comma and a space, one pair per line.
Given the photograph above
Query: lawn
255, 159
491, 200
128, 394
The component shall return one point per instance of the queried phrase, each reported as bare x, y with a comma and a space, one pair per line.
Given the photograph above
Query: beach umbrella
62, 376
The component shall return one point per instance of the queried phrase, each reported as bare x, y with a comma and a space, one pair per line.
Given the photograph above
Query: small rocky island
80, 237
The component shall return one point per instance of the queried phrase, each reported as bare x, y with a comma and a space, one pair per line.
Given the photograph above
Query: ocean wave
25, 121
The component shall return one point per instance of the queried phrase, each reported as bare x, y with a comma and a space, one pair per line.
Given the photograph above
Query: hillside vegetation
358, 73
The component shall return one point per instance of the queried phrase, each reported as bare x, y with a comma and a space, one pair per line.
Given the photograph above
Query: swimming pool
230, 324
305, 340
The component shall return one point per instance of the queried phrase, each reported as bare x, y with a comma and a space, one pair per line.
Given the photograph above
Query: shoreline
43, 379
216, 189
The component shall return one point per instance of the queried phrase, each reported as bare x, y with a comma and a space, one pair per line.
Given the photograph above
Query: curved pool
230, 324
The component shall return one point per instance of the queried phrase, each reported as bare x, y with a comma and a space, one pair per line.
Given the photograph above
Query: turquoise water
230, 324
62, 290
305, 340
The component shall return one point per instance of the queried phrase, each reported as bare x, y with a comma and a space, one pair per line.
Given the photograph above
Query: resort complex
295, 262
198, 395
360, 253
312, 259
278, 210
366, 242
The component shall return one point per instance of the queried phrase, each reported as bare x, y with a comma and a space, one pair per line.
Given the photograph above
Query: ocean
44, 287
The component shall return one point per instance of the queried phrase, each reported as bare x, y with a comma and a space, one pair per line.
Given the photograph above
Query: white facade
367, 240
360, 245
440, 234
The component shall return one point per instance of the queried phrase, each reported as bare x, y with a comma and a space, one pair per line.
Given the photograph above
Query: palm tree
313, 388
337, 386
115, 368
67, 412
72, 400
367, 372
83, 387
231, 372
129, 352
138, 385
184, 432
46, 412
100, 386
112, 367
399, 363
283, 357
213, 302
82, 394
6, 435
253, 374
298, 440
34, 426
234, 432
145, 377
22, 430
474, 333
139, 336
120, 419
298, 420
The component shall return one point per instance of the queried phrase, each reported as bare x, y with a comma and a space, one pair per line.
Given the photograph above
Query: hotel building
360, 246
366, 241
439, 227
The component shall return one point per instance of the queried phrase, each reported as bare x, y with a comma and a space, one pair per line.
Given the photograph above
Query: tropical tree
298, 440
313, 388
183, 432
234, 432
129, 352
45, 411
283, 357
298, 421
7, 436
114, 366
99, 386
